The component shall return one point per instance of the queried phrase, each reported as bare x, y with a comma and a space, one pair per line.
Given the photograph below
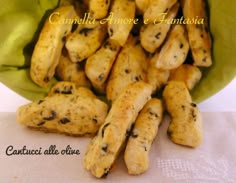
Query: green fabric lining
20, 21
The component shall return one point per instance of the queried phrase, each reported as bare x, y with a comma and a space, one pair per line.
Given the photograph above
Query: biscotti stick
121, 10
129, 67
141, 138
105, 147
76, 113
198, 34
186, 125
48, 48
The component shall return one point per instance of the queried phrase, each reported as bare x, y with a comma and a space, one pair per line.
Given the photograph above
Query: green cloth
222, 27
20, 22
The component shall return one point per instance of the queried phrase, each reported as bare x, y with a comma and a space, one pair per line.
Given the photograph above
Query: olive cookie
186, 125
141, 138
66, 110
105, 147
49, 46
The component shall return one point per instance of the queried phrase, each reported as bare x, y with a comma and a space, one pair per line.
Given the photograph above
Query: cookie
49, 46
99, 65
198, 33
70, 71
105, 147
186, 125
145, 129
78, 113
130, 66
85, 40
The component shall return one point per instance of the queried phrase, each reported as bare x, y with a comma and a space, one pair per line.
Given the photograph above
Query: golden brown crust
136, 154
99, 8
67, 87
105, 147
48, 48
78, 113
73, 72
156, 9
199, 35
84, 41
142, 5
63, 87
186, 125
130, 66
153, 35
156, 77
121, 10
187, 73
175, 49
99, 65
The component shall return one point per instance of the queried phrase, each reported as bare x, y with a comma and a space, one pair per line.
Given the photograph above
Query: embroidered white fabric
213, 162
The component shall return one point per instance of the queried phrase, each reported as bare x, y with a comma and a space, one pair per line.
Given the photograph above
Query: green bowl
222, 18
20, 21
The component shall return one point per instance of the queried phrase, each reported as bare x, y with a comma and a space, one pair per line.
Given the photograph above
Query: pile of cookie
127, 64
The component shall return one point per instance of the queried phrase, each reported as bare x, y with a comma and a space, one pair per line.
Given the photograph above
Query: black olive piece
85, 31
134, 135
145, 148
193, 115
104, 147
74, 27
107, 44
52, 117
46, 79
138, 78
193, 104
204, 59
106, 172
40, 101
64, 120
41, 123
104, 127
100, 77
166, 10
111, 32
158, 35
153, 114
95, 119
127, 71
57, 91
66, 92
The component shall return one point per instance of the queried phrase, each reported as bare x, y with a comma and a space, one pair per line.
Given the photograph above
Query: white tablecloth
214, 161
